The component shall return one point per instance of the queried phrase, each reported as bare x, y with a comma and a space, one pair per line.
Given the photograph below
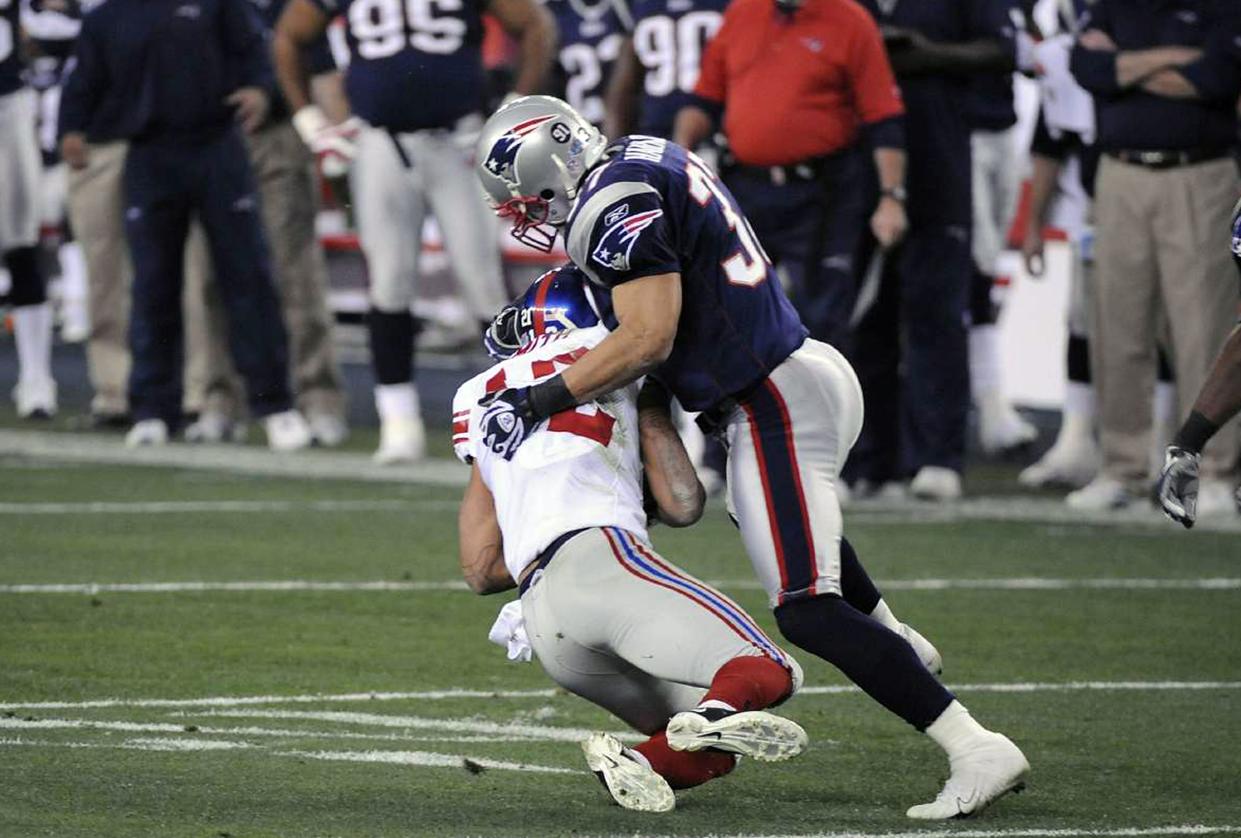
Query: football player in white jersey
608, 618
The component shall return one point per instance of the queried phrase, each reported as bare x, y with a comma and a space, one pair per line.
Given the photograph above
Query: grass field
329, 707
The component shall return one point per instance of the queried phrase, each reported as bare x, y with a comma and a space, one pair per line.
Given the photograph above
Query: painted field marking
1024, 583
192, 506
427, 759
450, 694
1084, 832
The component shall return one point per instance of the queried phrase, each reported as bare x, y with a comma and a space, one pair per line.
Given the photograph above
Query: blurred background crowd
264, 211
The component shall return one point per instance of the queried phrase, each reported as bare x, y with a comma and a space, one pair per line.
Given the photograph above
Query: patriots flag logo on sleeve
621, 234
503, 155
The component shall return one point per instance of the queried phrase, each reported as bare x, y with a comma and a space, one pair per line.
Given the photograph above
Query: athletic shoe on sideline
147, 433
1100, 495
936, 483
753, 733
286, 431
632, 784
35, 399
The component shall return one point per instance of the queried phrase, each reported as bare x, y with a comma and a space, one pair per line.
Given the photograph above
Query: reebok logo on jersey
616, 215
619, 237
503, 155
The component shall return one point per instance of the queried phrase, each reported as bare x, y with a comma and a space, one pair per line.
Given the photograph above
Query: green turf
1102, 759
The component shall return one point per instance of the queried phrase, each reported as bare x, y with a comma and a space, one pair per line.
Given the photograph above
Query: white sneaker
936, 483
1070, 462
1215, 499
286, 431
979, 776
328, 429
890, 491
146, 433
754, 733
401, 440
214, 427
632, 784
74, 321
35, 399
1099, 495
926, 651
1000, 427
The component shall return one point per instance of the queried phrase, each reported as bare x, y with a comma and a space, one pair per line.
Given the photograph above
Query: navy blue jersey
10, 61
668, 38
654, 208
590, 39
413, 64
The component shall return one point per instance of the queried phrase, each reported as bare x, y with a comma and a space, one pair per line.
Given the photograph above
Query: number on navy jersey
586, 66
8, 37
382, 28
670, 48
748, 266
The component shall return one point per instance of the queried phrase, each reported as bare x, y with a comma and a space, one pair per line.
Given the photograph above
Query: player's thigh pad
787, 444
609, 591
20, 169
390, 206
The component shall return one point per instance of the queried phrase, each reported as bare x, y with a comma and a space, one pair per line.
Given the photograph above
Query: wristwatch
896, 193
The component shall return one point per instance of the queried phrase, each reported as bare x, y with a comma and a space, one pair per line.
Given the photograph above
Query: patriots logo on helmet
618, 240
503, 155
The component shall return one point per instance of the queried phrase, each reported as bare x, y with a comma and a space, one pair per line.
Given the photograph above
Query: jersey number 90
671, 49
6, 32
380, 26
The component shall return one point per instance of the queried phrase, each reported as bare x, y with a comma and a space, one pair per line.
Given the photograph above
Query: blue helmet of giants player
532, 153
558, 301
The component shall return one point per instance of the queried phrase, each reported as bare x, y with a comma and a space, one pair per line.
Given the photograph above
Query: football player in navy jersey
658, 65
20, 167
696, 302
415, 84
590, 40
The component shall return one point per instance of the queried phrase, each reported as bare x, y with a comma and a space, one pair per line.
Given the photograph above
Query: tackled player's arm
647, 310
535, 31
482, 545
300, 25
670, 475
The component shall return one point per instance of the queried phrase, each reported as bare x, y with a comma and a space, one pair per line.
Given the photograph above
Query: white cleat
632, 784
979, 777
147, 433
328, 429
936, 483
1001, 428
286, 431
1100, 495
35, 399
1215, 499
401, 440
1071, 463
925, 649
214, 427
753, 733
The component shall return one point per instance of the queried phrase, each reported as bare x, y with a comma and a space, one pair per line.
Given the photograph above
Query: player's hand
1178, 485
334, 146
507, 420
252, 104
1032, 250
889, 223
1097, 39
74, 150
502, 338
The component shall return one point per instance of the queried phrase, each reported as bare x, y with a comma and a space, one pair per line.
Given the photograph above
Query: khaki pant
284, 169
1162, 249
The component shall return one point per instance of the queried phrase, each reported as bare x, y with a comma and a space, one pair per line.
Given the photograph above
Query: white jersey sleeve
581, 468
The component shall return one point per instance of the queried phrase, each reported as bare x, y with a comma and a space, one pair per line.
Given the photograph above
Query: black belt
1168, 159
545, 558
804, 171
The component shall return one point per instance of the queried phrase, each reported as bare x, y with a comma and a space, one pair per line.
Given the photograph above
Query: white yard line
242, 506
451, 694
429, 759
1024, 583
1084, 832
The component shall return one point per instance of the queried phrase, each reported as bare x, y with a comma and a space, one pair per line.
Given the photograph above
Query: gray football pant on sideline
609, 624
20, 171
284, 169
395, 180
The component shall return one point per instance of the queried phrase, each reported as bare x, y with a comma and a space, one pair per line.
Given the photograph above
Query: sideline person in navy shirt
176, 80
1165, 83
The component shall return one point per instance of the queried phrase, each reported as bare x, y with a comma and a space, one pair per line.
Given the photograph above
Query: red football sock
684, 769
750, 683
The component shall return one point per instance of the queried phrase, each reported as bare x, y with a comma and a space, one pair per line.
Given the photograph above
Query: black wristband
1194, 434
550, 397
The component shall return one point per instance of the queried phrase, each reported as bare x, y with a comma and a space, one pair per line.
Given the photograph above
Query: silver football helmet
532, 154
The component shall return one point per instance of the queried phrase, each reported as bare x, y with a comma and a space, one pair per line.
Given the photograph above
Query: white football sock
397, 402
1079, 400
32, 327
72, 272
884, 615
1163, 408
955, 730
985, 374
